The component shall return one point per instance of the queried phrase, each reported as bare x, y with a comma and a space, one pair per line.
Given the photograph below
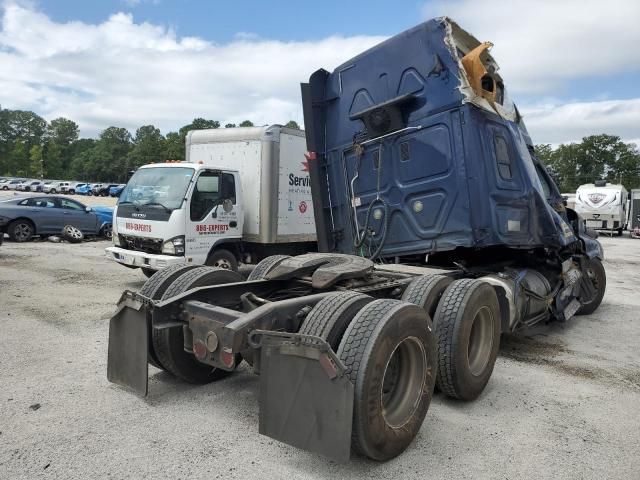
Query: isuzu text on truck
417, 159
242, 194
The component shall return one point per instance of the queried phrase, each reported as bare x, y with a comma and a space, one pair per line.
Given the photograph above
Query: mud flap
128, 344
306, 400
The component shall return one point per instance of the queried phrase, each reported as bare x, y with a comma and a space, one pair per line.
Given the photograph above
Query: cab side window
205, 195
503, 159
228, 188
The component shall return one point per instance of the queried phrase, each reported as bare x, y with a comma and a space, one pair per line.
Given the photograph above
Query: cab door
212, 214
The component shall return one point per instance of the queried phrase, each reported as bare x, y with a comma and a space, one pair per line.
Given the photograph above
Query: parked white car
12, 184
54, 187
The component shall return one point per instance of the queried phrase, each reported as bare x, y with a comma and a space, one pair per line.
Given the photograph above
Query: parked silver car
54, 187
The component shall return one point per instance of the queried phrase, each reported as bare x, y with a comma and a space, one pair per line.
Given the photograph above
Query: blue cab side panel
454, 175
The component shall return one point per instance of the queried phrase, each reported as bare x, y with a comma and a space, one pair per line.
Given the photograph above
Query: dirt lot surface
562, 403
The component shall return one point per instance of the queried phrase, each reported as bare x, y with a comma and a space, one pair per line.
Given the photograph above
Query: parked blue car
84, 189
116, 190
22, 218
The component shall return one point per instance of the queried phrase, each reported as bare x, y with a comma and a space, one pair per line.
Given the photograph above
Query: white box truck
603, 205
241, 195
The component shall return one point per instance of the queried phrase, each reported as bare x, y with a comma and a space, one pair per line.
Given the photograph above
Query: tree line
34, 148
596, 157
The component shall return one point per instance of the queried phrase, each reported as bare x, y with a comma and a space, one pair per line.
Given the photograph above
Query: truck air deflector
128, 345
305, 398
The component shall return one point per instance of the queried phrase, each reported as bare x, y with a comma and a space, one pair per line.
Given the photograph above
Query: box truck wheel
331, 316
168, 343
265, 266
426, 291
467, 326
221, 258
390, 354
595, 272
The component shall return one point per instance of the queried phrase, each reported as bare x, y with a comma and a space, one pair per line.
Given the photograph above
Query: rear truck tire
265, 265
168, 344
331, 316
72, 192
426, 291
53, 191
597, 275
221, 258
72, 234
390, 353
467, 327
154, 288
21, 231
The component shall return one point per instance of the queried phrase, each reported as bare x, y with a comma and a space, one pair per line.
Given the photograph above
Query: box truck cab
243, 194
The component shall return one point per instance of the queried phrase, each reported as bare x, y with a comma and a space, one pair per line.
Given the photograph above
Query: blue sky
572, 66
220, 21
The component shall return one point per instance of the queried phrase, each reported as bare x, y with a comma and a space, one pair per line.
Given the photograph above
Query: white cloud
560, 123
128, 74
542, 44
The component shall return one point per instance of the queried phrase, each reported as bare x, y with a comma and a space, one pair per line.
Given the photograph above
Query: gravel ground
562, 402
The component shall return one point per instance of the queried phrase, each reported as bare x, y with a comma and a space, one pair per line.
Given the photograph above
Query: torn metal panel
478, 63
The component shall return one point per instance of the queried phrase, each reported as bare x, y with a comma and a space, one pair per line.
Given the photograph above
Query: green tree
199, 124
148, 146
246, 123
109, 156
595, 157
292, 124
230, 125
36, 162
19, 131
174, 146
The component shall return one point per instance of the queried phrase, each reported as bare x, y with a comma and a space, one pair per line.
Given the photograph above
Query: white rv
603, 205
241, 195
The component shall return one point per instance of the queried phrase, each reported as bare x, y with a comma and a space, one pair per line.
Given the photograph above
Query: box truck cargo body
242, 194
274, 174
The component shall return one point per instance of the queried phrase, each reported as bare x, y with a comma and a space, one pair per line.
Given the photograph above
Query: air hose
385, 227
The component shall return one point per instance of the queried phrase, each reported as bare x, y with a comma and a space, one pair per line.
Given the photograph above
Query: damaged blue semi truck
438, 230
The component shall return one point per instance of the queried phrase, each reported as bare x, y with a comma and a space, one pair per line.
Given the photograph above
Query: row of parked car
58, 186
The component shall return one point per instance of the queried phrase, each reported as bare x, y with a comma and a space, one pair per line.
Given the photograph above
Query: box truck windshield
165, 186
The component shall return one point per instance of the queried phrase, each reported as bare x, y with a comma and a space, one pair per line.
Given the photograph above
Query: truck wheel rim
403, 382
591, 275
222, 263
480, 341
22, 231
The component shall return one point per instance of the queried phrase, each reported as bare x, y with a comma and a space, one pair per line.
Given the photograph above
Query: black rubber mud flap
305, 398
128, 344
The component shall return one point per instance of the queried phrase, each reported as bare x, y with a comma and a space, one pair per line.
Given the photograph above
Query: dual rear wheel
392, 351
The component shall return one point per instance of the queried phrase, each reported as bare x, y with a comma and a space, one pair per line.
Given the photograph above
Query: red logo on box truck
137, 227
211, 229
